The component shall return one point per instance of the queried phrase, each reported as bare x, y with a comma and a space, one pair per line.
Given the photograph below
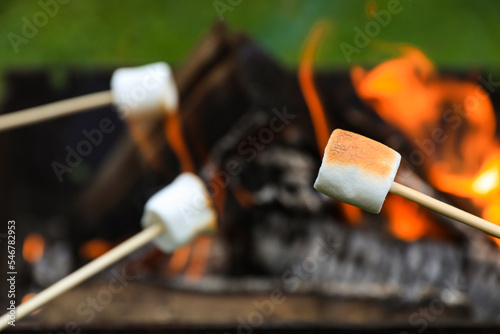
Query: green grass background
90, 33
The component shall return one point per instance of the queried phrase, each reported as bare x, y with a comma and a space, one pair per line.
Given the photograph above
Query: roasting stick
148, 89
165, 222
53, 110
85, 272
361, 172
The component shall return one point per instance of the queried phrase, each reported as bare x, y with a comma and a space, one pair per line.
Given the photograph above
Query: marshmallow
184, 209
357, 170
148, 89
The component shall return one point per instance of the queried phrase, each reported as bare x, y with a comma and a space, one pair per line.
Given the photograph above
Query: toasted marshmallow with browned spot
357, 170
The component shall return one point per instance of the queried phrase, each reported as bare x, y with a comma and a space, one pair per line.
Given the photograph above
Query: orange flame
178, 260
306, 81
201, 251
175, 137
409, 221
94, 248
192, 259
462, 154
33, 248
315, 107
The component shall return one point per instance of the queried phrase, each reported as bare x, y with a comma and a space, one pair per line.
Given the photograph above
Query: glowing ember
178, 261
402, 91
28, 297
198, 264
33, 248
243, 196
175, 137
94, 248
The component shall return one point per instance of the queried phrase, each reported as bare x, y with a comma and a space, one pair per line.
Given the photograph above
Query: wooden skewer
445, 209
52, 110
84, 273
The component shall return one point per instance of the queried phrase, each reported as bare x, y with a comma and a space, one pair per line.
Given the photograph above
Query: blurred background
453, 34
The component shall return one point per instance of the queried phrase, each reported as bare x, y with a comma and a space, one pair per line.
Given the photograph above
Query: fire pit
286, 257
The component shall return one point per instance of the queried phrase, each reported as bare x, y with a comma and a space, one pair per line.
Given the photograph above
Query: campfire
255, 134
451, 123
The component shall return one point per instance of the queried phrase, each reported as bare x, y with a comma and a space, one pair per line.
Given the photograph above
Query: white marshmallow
148, 89
184, 209
357, 170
